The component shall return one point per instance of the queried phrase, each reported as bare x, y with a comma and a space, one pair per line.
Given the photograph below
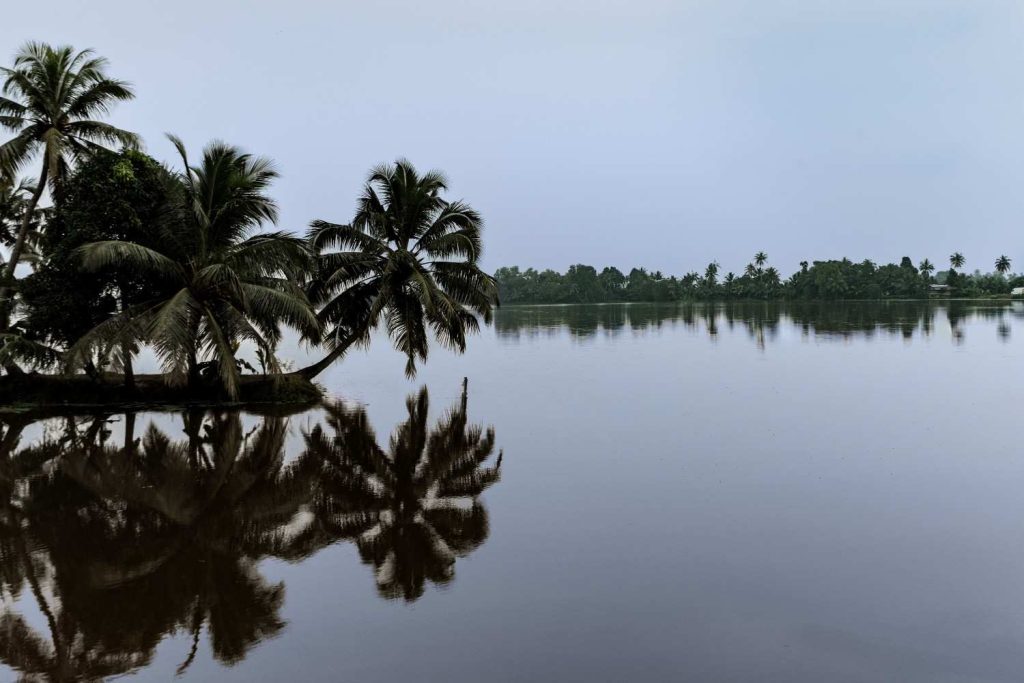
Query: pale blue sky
655, 133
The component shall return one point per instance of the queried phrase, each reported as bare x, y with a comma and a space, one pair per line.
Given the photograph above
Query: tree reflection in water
413, 509
121, 546
824, 320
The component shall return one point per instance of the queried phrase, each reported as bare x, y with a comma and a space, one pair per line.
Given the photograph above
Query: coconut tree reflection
414, 508
149, 539
122, 542
66, 652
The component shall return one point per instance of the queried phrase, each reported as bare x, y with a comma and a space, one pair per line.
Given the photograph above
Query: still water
678, 492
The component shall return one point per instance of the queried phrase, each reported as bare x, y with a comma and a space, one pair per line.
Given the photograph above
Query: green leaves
97, 255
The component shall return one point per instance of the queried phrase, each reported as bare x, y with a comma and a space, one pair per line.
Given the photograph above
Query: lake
730, 492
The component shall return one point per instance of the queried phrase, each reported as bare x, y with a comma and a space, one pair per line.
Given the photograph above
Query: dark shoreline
41, 395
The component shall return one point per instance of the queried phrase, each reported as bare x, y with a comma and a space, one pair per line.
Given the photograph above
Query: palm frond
98, 255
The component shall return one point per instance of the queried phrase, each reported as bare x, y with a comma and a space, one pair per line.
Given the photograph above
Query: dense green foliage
842, 279
219, 281
110, 196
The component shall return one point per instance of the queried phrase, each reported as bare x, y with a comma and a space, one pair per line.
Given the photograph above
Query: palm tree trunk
126, 361
193, 356
316, 368
7, 282
126, 350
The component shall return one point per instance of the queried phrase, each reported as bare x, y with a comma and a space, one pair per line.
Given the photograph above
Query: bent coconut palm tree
410, 259
413, 509
48, 100
224, 284
1003, 265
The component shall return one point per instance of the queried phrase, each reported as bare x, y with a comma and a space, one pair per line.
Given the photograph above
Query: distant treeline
841, 279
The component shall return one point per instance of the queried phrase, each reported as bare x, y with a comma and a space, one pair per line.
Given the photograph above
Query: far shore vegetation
109, 251
821, 280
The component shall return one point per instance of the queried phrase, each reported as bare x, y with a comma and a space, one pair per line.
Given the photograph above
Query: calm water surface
700, 493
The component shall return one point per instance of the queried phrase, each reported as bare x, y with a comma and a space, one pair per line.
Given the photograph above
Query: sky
657, 133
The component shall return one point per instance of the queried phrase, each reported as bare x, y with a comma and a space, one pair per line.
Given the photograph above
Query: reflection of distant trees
762, 319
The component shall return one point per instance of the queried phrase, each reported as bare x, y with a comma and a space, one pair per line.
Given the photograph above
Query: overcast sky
649, 132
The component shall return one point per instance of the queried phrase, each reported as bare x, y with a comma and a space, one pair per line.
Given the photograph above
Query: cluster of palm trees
124, 543
408, 260
958, 261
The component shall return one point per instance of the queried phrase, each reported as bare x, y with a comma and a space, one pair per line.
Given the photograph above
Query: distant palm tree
49, 98
1003, 265
410, 258
751, 270
926, 267
711, 273
760, 258
225, 283
414, 508
957, 260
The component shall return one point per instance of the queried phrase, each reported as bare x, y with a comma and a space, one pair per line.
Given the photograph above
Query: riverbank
51, 393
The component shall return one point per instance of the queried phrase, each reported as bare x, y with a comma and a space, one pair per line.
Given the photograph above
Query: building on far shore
1017, 291
938, 289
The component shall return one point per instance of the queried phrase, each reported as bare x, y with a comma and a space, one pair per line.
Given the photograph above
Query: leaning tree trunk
316, 368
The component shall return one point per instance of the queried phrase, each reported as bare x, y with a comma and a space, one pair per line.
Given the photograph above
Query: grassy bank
57, 394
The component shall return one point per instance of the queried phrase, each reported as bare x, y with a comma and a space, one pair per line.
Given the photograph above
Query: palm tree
711, 274
410, 259
1003, 265
49, 98
225, 283
14, 200
14, 197
751, 270
926, 267
406, 508
760, 258
957, 260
